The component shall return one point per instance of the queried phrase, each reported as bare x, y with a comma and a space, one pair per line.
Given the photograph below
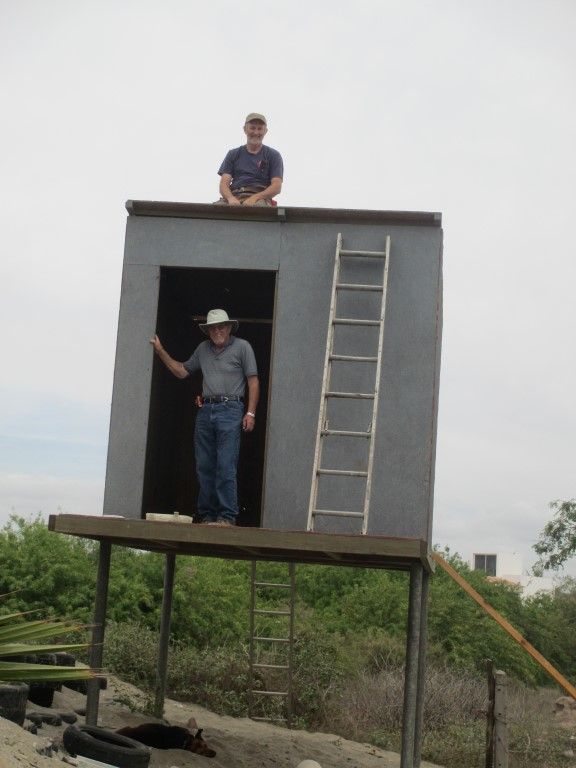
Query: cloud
27, 495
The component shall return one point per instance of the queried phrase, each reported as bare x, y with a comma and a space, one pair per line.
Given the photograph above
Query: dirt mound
239, 742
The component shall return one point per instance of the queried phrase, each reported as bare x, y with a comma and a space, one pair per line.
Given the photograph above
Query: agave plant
15, 640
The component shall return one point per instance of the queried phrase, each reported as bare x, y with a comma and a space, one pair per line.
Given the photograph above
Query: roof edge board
280, 214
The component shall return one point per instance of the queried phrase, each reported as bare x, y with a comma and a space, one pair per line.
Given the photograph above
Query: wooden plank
243, 543
489, 762
506, 626
500, 721
280, 213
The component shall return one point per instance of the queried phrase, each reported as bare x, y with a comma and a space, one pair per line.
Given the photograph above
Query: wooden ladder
271, 647
327, 393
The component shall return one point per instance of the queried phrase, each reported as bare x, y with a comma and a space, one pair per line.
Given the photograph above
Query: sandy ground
239, 742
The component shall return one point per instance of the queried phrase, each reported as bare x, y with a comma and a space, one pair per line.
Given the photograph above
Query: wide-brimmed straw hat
216, 316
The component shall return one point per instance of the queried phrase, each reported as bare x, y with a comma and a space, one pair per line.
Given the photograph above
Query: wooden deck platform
248, 543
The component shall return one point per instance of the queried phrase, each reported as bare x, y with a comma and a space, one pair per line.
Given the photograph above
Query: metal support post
164, 641
253, 570
97, 644
289, 701
411, 673
421, 669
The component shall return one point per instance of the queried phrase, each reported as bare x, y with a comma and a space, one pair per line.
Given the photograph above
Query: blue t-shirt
248, 170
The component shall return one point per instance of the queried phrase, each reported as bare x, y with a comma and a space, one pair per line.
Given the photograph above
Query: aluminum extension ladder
323, 431
271, 647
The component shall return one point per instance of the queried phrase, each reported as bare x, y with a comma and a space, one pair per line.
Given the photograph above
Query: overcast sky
467, 108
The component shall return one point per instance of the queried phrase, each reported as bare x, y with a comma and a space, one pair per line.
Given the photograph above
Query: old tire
63, 659
42, 694
81, 686
106, 746
13, 698
36, 718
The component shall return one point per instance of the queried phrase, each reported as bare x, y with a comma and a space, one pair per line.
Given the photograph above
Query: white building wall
509, 568
533, 584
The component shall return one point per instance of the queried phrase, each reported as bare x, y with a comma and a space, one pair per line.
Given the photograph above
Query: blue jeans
217, 445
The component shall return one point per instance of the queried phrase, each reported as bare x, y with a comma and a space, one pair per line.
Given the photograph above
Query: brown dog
162, 736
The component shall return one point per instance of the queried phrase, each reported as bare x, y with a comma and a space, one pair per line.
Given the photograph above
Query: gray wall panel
300, 338
198, 243
131, 393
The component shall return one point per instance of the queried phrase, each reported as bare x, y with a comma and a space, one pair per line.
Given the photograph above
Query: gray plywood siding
302, 255
131, 393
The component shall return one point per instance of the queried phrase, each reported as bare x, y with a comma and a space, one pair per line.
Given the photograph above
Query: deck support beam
97, 645
164, 641
411, 675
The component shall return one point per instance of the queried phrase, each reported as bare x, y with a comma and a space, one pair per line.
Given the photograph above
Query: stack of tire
13, 697
105, 746
42, 694
64, 659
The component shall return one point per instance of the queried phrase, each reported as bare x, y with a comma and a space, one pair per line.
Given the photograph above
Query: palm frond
17, 638
18, 671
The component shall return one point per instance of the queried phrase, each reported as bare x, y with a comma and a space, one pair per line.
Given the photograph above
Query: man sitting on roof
251, 174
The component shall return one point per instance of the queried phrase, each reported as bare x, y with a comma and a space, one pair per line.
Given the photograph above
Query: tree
557, 542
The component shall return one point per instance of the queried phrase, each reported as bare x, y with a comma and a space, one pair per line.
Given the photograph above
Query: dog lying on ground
163, 736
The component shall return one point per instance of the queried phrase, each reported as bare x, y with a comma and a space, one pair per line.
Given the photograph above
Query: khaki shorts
243, 194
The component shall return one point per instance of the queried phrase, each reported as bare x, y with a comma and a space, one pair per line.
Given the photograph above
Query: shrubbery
361, 608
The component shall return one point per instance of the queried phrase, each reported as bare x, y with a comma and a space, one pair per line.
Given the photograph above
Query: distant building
507, 566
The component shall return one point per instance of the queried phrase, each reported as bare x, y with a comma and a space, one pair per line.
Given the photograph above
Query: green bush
216, 678
47, 572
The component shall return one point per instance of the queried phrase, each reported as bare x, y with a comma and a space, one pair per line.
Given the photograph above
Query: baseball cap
255, 116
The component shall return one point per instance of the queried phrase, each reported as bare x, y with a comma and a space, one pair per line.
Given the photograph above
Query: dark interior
187, 295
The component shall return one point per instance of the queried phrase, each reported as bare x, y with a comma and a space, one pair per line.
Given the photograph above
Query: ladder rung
336, 513
345, 433
374, 254
354, 321
261, 612
270, 693
271, 584
354, 359
271, 666
359, 287
352, 395
342, 472
272, 639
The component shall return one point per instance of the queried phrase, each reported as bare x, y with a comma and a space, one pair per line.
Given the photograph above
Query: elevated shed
273, 270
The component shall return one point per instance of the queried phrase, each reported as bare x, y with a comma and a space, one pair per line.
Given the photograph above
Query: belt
246, 190
223, 399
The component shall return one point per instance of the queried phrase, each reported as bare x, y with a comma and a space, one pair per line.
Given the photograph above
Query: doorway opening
185, 297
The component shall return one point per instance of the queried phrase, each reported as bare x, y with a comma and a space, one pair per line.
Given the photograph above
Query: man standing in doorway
251, 174
228, 365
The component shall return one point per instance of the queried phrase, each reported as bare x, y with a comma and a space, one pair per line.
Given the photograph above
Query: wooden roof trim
281, 213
